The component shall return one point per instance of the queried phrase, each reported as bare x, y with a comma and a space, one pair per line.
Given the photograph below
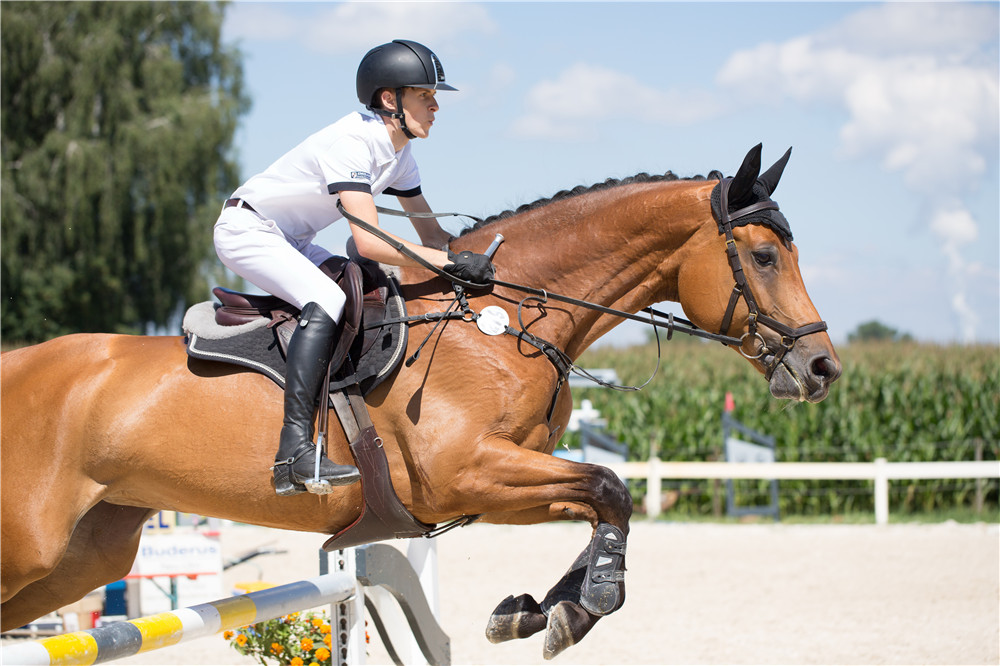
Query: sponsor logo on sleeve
361, 175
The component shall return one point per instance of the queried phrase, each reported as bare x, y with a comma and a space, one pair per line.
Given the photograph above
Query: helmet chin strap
398, 115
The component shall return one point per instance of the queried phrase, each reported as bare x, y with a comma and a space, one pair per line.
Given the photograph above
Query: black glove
470, 266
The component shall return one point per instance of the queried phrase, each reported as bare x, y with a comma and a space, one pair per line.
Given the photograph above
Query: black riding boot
309, 353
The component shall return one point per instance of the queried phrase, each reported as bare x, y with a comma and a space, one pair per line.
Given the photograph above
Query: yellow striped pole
123, 639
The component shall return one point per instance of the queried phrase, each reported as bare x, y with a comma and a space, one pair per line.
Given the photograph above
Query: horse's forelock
773, 219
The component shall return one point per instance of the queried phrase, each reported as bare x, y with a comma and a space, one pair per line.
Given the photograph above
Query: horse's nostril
825, 367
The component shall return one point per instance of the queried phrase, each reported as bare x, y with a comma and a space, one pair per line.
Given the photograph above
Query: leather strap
239, 203
383, 515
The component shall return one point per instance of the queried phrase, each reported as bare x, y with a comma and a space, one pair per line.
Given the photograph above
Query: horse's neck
618, 248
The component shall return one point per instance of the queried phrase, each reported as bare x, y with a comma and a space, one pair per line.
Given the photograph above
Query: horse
100, 431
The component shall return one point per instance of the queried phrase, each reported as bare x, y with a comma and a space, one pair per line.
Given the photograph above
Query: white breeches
257, 250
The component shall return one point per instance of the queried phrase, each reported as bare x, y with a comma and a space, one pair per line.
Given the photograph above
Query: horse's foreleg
594, 585
100, 551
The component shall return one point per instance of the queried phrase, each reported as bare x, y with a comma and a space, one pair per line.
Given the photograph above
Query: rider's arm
362, 205
430, 231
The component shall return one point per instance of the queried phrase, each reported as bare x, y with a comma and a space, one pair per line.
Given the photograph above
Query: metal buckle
763, 345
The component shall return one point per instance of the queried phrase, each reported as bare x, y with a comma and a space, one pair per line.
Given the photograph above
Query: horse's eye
763, 257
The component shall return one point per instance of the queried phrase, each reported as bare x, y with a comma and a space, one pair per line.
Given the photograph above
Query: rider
266, 230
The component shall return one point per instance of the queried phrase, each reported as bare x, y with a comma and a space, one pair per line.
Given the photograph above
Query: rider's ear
741, 189
388, 98
769, 179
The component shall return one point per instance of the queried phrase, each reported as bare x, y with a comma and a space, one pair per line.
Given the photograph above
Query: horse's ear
769, 179
741, 188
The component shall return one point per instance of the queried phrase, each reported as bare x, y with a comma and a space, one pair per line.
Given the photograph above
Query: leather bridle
789, 335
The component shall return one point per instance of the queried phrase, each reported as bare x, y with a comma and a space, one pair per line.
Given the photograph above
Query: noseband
789, 335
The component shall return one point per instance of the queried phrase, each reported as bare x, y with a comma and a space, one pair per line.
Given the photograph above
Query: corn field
903, 402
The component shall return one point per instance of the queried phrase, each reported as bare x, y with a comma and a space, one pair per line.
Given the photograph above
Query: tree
876, 331
117, 129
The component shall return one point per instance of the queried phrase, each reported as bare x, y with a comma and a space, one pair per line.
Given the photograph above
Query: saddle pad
256, 345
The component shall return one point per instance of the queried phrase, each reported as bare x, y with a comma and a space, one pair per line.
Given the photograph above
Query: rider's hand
470, 266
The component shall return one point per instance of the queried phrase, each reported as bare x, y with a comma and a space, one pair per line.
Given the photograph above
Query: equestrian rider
266, 230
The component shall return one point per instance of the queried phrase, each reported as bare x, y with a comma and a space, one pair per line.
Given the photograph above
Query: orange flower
296, 661
316, 621
324, 628
327, 640
307, 644
276, 648
322, 654
227, 634
241, 640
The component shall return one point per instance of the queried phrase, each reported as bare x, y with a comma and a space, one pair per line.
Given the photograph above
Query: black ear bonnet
768, 218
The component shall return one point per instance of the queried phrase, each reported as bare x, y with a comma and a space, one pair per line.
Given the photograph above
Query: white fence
655, 471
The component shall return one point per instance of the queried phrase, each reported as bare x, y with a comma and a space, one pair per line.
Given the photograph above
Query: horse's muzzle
804, 375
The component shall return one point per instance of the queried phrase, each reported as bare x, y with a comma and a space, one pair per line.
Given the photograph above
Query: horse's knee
613, 494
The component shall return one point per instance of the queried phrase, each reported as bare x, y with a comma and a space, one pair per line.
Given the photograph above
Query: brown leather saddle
367, 289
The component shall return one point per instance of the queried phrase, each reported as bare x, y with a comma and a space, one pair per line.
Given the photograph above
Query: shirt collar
384, 150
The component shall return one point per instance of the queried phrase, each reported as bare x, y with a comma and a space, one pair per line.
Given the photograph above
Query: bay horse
99, 432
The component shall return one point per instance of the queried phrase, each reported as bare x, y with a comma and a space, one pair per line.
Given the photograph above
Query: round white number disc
493, 320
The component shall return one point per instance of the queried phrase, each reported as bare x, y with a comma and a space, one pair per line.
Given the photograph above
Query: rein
671, 323
655, 318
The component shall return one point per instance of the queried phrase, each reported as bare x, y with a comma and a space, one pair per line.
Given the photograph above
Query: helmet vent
438, 69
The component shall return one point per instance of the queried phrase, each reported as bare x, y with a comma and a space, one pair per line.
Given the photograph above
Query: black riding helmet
397, 65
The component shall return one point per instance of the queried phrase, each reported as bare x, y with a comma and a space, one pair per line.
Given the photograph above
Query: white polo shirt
299, 191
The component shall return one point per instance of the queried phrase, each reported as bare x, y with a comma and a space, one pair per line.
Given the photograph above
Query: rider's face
419, 105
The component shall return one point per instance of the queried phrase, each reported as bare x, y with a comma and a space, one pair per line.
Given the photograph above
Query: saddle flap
351, 284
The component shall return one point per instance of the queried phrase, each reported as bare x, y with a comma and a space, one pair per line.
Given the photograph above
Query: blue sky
892, 109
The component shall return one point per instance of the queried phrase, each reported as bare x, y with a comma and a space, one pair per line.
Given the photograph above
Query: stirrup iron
316, 485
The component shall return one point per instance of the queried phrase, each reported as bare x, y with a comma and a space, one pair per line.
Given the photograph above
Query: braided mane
581, 189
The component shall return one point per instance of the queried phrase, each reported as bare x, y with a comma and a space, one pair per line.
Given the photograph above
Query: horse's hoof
515, 618
568, 624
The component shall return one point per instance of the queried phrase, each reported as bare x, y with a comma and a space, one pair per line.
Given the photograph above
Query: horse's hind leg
100, 551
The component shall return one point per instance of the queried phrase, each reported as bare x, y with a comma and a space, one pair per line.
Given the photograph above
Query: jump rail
359, 573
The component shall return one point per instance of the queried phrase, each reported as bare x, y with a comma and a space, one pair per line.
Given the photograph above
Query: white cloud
919, 84
928, 115
351, 26
954, 226
252, 21
571, 106
357, 26
914, 28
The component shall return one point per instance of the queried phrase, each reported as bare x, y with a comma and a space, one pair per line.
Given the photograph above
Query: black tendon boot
309, 353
